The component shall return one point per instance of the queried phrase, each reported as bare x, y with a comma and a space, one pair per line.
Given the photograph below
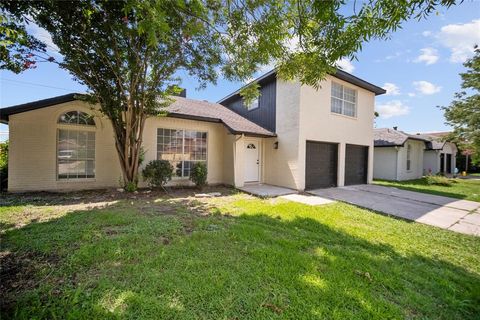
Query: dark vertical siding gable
264, 115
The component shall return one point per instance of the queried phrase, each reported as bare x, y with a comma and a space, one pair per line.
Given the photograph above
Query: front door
442, 162
449, 163
252, 161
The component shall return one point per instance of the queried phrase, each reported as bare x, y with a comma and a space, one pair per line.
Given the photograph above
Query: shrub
198, 174
157, 173
3, 165
130, 186
438, 181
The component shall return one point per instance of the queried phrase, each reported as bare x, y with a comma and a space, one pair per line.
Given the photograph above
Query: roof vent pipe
395, 128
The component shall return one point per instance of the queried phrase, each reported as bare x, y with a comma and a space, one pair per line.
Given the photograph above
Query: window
182, 148
253, 105
344, 100
76, 117
76, 146
409, 151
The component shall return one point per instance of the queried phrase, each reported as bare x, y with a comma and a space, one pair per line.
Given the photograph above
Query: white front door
252, 161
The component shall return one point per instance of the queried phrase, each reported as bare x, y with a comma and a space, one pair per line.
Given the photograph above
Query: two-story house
324, 137
294, 136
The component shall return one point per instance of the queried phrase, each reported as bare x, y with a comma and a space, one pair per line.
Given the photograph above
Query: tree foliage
463, 114
18, 50
129, 53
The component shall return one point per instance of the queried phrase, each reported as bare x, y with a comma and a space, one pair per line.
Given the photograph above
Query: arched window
76, 146
77, 118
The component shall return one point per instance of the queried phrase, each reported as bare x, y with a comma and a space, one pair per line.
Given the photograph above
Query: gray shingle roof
386, 137
434, 142
214, 112
180, 108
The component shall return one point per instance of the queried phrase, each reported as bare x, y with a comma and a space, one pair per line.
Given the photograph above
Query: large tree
463, 114
128, 53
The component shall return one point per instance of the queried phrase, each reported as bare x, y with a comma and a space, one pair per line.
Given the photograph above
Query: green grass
165, 258
460, 188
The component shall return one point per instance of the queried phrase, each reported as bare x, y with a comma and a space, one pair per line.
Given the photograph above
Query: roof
434, 142
340, 74
213, 112
5, 113
386, 137
181, 108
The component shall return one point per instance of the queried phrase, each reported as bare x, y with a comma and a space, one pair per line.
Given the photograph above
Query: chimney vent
395, 128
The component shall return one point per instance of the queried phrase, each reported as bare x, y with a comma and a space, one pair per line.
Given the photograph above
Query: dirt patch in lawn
20, 272
43, 206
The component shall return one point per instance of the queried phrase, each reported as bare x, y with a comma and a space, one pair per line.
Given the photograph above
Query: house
294, 136
402, 156
440, 156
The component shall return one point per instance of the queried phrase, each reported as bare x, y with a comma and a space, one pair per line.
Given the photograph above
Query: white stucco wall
432, 158
385, 163
431, 162
33, 145
318, 123
416, 168
303, 113
282, 166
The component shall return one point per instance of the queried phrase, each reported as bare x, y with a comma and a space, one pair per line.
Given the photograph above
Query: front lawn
460, 188
151, 256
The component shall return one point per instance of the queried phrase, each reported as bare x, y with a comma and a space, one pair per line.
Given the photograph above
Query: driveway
448, 213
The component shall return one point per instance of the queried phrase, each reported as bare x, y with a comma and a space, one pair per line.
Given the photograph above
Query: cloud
43, 35
391, 109
460, 39
411, 94
346, 65
427, 33
429, 56
425, 87
392, 89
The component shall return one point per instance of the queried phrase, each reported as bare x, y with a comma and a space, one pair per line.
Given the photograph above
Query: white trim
182, 178
355, 116
258, 143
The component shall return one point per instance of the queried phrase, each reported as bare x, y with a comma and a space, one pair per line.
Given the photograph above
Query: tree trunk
128, 143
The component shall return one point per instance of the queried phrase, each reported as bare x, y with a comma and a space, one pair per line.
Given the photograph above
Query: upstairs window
344, 100
253, 105
76, 146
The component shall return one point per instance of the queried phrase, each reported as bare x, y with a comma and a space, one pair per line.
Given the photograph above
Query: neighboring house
293, 136
440, 156
402, 156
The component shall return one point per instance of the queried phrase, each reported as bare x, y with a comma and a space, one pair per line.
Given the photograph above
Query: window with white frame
409, 154
182, 148
75, 146
343, 100
252, 105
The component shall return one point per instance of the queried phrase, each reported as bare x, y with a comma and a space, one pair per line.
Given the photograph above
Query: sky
419, 67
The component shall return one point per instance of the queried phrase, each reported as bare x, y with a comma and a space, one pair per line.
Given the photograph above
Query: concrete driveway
448, 213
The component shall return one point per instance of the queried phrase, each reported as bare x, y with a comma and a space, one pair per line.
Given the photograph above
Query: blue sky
418, 66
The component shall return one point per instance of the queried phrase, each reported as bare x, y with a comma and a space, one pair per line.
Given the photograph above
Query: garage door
356, 164
321, 165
